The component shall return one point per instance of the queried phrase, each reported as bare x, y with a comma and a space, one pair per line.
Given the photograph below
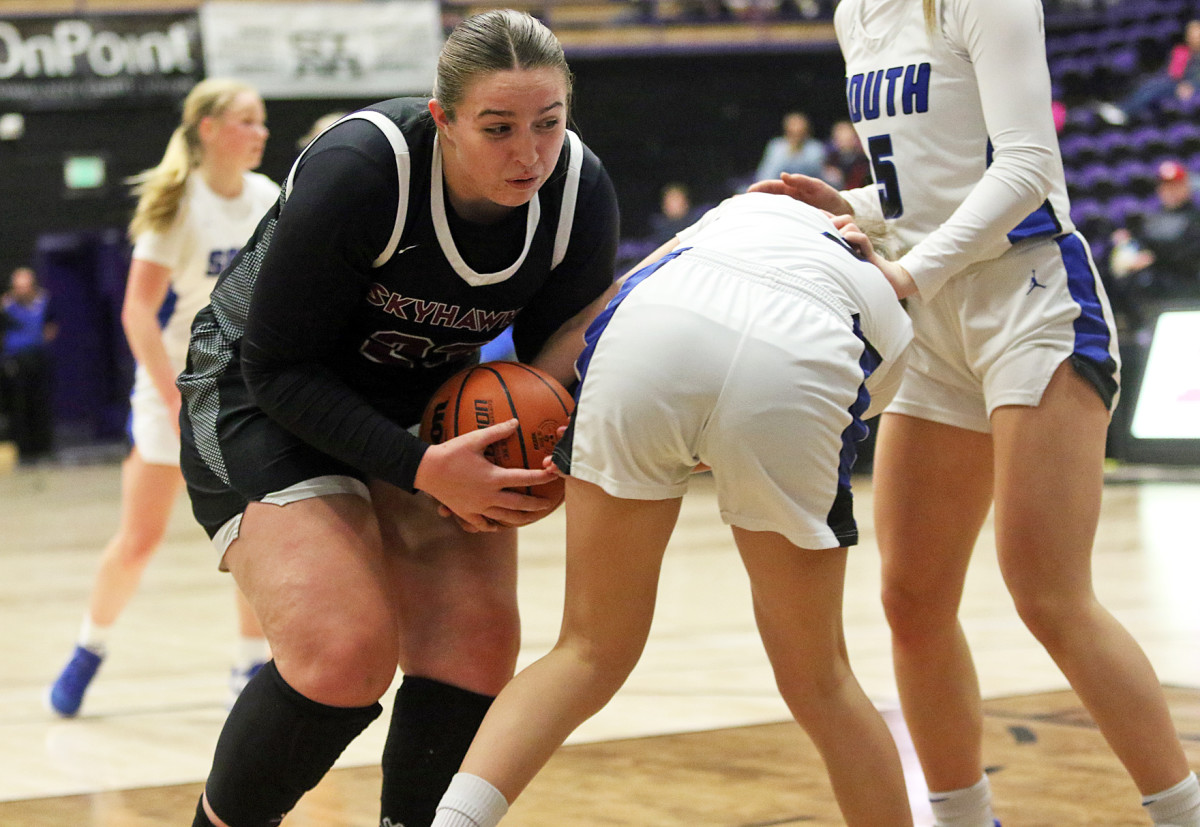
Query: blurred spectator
753, 9
1180, 77
674, 214
796, 150
318, 126
1059, 110
846, 165
702, 10
26, 367
1159, 257
654, 11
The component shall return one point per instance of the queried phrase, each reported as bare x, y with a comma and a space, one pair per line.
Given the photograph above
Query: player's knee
610, 661
475, 654
133, 548
915, 614
350, 666
815, 694
1051, 618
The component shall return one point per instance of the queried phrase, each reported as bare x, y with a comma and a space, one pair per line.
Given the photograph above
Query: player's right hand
458, 475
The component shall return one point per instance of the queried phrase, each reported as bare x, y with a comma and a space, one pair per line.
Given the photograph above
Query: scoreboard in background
1162, 421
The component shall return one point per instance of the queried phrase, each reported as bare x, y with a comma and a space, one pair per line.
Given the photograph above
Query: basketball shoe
238, 678
66, 694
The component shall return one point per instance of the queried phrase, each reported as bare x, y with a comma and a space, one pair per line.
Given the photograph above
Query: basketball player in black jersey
406, 236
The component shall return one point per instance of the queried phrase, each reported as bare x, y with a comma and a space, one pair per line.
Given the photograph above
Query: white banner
324, 50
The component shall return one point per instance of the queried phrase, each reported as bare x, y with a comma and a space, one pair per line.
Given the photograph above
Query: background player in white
755, 350
195, 209
1008, 395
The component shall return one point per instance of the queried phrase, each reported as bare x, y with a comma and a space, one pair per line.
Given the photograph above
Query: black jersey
361, 290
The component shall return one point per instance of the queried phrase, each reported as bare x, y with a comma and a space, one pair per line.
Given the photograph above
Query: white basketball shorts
995, 334
754, 373
153, 431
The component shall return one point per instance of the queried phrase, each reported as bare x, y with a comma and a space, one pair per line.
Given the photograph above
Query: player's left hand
805, 188
901, 280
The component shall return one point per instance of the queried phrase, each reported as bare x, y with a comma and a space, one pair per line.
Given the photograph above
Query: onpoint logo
75, 47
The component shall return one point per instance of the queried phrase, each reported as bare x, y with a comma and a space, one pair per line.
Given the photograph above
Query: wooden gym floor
697, 737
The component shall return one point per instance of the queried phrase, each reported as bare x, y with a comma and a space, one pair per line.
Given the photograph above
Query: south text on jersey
898, 89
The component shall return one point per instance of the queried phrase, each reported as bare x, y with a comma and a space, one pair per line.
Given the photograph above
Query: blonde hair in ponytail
160, 189
930, 9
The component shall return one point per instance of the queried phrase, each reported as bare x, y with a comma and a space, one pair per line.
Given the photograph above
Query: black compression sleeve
336, 220
275, 746
432, 727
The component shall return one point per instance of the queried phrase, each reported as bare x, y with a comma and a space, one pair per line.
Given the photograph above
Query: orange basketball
494, 392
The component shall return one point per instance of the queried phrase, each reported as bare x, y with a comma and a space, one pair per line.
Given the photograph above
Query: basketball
494, 392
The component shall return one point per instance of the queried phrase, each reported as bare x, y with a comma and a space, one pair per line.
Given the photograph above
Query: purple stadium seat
1092, 220
1184, 137
1081, 119
1149, 142
1130, 11
1135, 177
1074, 72
1123, 63
1077, 43
1096, 181
1124, 207
1115, 145
1079, 148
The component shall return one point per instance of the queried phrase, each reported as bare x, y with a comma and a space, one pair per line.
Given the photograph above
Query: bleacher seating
1100, 54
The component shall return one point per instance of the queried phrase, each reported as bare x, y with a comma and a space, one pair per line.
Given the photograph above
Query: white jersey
206, 234
958, 126
779, 232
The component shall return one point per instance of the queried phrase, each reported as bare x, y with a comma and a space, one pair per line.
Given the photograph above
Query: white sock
93, 637
1176, 807
470, 801
968, 807
249, 651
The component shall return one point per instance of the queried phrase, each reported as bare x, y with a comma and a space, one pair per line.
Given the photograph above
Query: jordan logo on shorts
1033, 282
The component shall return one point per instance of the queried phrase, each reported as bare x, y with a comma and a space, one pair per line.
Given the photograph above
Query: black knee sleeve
201, 819
275, 746
432, 727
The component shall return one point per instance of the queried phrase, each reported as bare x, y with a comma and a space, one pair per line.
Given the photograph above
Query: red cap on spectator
1169, 171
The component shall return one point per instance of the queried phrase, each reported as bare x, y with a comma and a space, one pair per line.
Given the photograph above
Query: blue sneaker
66, 694
238, 678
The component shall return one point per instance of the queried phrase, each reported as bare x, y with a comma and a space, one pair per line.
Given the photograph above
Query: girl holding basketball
407, 235
1007, 399
772, 341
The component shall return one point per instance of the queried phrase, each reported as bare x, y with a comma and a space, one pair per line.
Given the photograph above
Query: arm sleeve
1006, 45
586, 271
864, 201
336, 220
